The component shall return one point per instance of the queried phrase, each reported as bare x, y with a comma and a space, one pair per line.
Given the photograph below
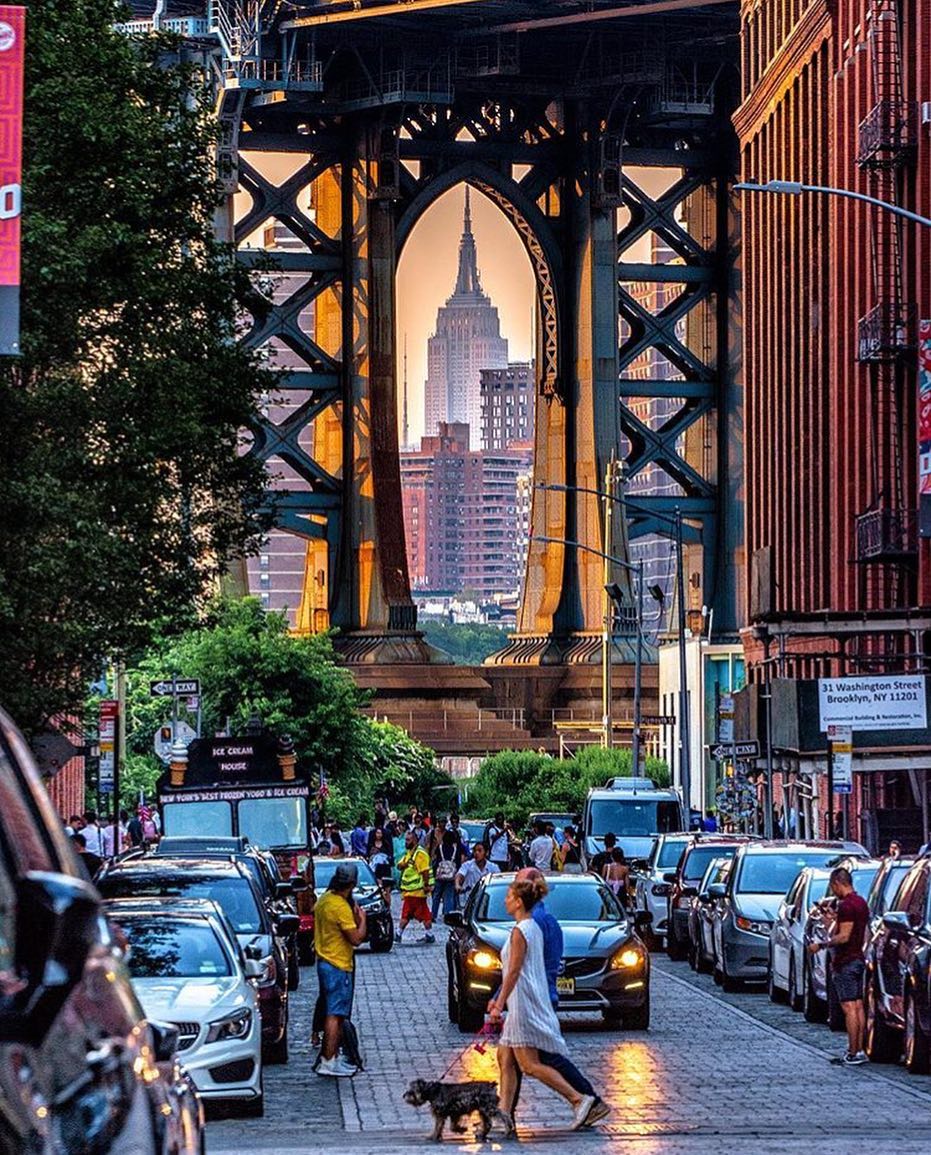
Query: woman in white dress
531, 1025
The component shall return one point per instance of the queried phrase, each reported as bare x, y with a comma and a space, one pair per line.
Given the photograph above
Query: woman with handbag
446, 861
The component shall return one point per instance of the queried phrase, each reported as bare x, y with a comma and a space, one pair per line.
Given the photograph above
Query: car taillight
306, 922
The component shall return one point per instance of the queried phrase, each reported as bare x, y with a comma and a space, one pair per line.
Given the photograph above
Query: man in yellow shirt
414, 865
339, 927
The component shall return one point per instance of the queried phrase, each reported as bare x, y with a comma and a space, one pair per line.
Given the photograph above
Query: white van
636, 810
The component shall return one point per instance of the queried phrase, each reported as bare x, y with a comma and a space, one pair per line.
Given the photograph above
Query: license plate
565, 986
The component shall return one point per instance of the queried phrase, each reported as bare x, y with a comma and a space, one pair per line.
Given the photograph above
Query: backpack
446, 868
349, 1045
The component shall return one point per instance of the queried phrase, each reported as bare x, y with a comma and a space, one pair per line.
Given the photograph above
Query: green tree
522, 782
468, 644
123, 484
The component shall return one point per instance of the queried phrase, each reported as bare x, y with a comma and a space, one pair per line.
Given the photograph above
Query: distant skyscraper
467, 340
507, 397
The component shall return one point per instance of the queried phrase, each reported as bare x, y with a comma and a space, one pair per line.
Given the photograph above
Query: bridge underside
606, 141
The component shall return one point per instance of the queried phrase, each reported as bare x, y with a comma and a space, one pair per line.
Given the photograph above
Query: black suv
898, 975
80, 1069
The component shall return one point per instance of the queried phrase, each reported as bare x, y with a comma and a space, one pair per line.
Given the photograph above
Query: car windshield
185, 818
716, 872
234, 896
774, 873
274, 821
575, 902
891, 884
162, 948
698, 858
669, 853
633, 816
324, 869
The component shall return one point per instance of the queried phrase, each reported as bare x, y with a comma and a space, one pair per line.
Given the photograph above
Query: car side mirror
253, 953
670, 876
717, 890
703, 897
643, 919
298, 883
454, 918
287, 924
253, 969
56, 926
689, 891
897, 922
165, 1039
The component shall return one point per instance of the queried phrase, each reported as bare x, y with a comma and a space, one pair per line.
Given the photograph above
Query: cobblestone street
714, 1073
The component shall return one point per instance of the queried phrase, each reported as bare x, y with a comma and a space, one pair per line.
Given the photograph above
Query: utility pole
685, 758
607, 689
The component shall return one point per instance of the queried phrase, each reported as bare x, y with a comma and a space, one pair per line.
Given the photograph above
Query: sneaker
335, 1069
581, 1112
399, 937
598, 1112
428, 937
856, 1060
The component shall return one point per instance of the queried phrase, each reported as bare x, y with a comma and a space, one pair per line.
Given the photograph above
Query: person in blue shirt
710, 823
552, 957
359, 839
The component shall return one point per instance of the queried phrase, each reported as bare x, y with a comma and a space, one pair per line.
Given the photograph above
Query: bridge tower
380, 109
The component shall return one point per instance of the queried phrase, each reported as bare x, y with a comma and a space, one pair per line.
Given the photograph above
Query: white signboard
841, 739
896, 702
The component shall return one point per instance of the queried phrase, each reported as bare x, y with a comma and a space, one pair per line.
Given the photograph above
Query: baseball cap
345, 874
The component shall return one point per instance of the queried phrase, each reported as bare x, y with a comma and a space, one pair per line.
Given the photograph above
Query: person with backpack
339, 927
446, 861
497, 842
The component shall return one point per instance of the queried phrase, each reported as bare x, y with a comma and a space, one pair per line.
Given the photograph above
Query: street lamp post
796, 188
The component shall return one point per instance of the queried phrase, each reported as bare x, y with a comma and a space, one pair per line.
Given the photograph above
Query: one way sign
180, 686
738, 750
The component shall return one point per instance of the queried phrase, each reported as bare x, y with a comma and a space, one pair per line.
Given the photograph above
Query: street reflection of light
166, 1109
42, 1112
633, 1068
479, 1065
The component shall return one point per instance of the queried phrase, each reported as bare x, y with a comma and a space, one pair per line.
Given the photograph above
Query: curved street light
796, 188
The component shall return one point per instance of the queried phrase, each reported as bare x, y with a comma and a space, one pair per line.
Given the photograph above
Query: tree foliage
520, 782
468, 644
122, 482
249, 664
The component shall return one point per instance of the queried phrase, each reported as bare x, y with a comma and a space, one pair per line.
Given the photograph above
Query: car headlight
234, 1026
484, 959
755, 926
626, 958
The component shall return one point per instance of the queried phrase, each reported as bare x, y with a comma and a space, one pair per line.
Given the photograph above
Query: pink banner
924, 407
12, 36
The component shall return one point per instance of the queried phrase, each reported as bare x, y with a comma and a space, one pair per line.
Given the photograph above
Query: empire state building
466, 341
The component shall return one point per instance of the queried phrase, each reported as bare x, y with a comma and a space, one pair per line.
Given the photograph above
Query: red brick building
833, 292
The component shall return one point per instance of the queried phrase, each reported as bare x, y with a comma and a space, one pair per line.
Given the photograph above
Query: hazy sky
427, 274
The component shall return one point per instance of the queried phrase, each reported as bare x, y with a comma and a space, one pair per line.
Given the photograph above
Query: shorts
336, 988
848, 980
417, 909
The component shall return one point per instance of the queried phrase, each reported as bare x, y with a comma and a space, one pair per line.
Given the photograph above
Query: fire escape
886, 338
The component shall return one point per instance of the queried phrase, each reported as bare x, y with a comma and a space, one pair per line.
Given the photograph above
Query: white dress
531, 1020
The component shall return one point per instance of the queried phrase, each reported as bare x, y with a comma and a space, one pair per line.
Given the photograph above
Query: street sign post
739, 751
109, 713
176, 687
841, 739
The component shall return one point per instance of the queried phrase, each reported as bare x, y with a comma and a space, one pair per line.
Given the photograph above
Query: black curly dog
454, 1101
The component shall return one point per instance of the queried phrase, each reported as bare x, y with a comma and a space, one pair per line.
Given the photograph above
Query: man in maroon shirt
847, 966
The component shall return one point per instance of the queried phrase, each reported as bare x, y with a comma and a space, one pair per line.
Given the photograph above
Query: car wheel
776, 994
795, 999
305, 951
468, 1019
717, 975
916, 1041
638, 1020
451, 1000
693, 956
675, 947
704, 966
613, 1019
294, 970
250, 1108
814, 1009
277, 1052
386, 942
882, 1044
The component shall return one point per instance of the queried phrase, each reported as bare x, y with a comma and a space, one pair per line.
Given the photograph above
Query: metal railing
448, 721
888, 133
887, 331
887, 535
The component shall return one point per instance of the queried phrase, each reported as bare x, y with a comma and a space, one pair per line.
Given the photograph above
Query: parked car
261, 865
898, 975
80, 1067
260, 933
606, 967
189, 970
379, 922
701, 920
748, 901
806, 915
683, 881
651, 890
